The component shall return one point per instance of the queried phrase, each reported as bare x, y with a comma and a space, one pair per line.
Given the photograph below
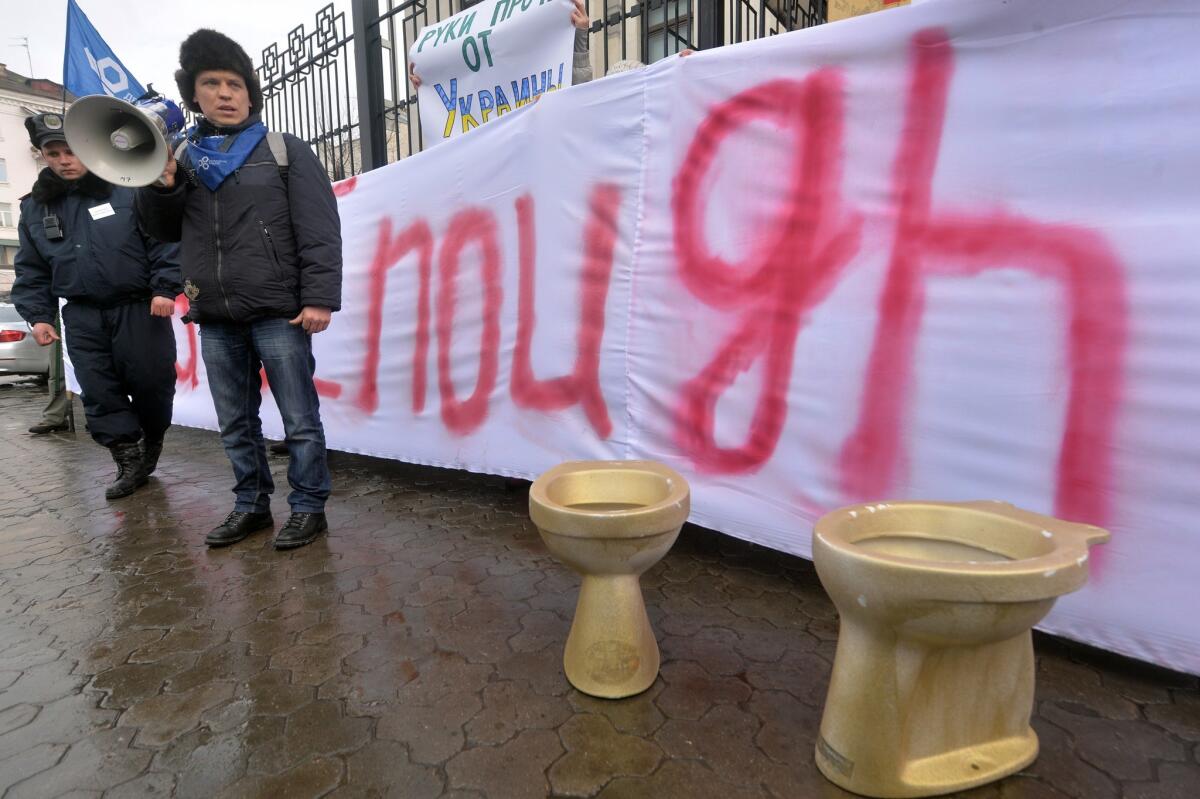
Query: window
668, 28
790, 15
3, 171
6, 215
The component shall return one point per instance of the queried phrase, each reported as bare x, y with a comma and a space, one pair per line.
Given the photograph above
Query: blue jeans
233, 354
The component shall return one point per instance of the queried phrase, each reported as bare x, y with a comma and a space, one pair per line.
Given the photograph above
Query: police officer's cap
45, 128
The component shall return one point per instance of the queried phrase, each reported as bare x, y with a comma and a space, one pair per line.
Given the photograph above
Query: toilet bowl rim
553, 517
1061, 570
906, 579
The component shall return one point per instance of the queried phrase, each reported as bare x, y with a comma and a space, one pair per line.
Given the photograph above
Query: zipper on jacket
271, 251
270, 243
217, 235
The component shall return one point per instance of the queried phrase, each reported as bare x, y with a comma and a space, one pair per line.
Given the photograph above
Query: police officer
80, 241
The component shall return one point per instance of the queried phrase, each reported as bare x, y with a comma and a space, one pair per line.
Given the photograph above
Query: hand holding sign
579, 16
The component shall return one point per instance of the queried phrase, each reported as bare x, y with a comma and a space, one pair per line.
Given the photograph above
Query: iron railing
308, 90
346, 92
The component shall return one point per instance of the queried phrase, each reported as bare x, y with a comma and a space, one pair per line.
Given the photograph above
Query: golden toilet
932, 684
610, 521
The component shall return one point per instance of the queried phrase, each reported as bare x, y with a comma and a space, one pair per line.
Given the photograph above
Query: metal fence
309, 90
345, 89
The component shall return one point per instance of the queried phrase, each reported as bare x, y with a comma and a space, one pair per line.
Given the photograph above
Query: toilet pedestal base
950, 772
611, 651
911, 719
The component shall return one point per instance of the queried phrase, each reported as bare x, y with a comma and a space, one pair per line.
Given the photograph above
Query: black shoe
300, 529
42, 428
128, 458
151, 450
280, 448
238, 525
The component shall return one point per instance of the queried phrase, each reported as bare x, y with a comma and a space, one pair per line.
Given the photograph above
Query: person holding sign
581, 67
493, 58
262, 268
80, 241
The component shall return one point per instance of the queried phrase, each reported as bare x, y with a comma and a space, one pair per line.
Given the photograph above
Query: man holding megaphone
80, 241
262, 263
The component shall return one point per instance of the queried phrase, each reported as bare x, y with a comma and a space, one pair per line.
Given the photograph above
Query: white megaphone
127, 144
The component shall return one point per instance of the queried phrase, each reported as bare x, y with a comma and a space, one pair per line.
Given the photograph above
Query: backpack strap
279, 153
188, 172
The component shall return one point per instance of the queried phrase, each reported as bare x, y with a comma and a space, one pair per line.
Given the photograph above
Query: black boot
237, 526
128, 458
42, 428
151, 450
300, 529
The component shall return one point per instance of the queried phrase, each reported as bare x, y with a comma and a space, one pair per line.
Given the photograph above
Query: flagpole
66, 55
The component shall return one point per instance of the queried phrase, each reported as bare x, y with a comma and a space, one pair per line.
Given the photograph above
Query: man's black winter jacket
256, 247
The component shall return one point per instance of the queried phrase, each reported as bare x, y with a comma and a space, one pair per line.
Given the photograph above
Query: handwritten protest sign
488, 60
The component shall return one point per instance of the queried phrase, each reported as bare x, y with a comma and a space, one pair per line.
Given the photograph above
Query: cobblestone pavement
415, 652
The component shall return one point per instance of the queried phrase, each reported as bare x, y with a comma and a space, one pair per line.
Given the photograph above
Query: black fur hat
208, 49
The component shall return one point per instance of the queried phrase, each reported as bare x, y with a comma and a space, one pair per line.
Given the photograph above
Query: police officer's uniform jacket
80, 241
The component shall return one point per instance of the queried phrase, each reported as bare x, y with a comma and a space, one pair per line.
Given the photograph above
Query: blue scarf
212, 164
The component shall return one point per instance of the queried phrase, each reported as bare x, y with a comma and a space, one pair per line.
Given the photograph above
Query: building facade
20, 96
841, 9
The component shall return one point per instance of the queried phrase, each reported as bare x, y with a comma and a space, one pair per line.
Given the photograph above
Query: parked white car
19, 353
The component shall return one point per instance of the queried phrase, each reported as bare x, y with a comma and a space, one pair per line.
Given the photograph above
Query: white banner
489, 60
948, 251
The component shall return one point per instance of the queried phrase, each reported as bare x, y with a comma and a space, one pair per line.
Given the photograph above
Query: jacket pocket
66, 276
272, 254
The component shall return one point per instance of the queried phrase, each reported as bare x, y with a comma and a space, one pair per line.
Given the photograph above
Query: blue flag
89, 64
